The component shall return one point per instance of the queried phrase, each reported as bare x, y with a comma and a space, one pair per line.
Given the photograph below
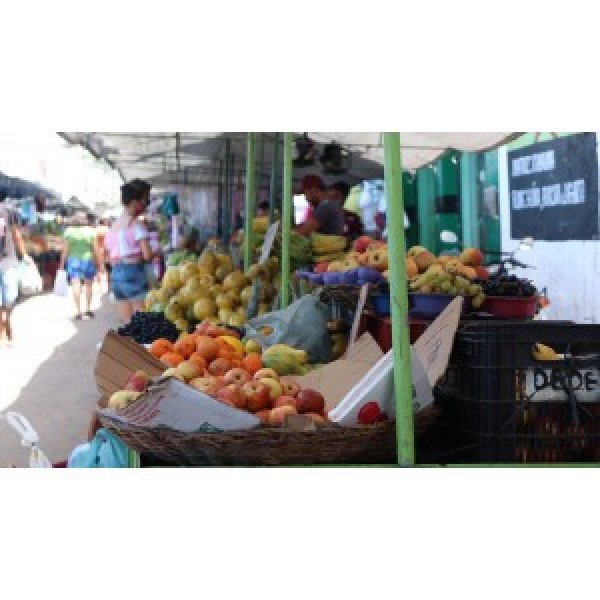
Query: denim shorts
77, 268
129, 281
9, 287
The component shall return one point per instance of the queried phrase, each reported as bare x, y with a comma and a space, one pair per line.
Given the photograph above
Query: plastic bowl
316, 278
381, 304
430, 306
331, 278
505, 307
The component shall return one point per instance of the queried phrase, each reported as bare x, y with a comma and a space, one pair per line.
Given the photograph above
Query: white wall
570, 270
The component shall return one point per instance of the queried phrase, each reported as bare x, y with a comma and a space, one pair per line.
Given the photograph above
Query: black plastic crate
504, 406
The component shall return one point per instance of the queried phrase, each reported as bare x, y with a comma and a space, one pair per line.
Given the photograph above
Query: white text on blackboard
565, 194
535, 163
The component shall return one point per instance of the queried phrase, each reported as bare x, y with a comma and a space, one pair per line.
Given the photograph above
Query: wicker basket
268, 446
345, 295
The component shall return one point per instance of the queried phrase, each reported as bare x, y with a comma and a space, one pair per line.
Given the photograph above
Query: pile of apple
264, 393
217, 363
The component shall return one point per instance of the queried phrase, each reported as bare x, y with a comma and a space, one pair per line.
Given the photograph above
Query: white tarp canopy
193, 158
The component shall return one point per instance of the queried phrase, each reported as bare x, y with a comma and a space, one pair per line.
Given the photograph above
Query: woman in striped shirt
129, 250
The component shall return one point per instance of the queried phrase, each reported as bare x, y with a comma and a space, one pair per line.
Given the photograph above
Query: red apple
362, 243
257, 396
290, 387
138, 382
285, 401
237, 375
275, 389
219, 366
232, 394
310, 401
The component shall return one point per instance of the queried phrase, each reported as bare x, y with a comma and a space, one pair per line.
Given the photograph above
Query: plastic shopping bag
302, 325
61, 285
30, 280
105, 451
29, 437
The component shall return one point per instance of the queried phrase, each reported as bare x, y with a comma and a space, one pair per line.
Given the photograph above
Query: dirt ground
48, 376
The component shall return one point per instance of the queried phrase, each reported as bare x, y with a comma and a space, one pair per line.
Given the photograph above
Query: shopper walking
129, 251
11, 247
81, 258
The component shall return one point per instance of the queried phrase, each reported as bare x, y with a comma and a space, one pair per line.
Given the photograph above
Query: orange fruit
171, 359
160, 346
197, 358
252, 363
207, 347
186, 346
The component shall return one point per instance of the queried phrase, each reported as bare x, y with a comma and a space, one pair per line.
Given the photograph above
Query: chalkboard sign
554, 189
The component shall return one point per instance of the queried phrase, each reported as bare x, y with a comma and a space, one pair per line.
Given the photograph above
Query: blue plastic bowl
381, 304
430, 306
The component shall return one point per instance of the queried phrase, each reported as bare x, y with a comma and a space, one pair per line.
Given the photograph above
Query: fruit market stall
419, 280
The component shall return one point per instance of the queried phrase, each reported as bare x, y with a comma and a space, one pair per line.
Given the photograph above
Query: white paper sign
268, 243
178, 406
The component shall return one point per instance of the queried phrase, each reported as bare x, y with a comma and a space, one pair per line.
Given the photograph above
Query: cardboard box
365, 374
118, 358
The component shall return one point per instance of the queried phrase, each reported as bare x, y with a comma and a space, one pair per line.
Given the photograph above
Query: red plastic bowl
510, 308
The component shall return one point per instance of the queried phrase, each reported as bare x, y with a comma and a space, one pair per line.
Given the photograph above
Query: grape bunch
145, 327
509, 286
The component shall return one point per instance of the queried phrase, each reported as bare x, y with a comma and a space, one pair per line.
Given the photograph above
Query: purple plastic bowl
331, 278
369, 275
316, 278
429, 306
348, 278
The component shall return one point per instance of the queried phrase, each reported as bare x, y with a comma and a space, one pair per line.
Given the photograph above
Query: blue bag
105, 451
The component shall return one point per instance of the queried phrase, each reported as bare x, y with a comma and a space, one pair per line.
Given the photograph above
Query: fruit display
448, 275
216, 362
210, 288
145, 327
509, 286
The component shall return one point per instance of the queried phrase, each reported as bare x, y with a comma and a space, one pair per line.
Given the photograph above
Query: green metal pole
273, 186
220, 201
286, 219
426, 208
231, 222
469, 205
259, 162
399, 300
250, 204
225, 209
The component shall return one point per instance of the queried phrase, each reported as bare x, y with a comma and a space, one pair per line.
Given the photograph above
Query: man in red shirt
328, 216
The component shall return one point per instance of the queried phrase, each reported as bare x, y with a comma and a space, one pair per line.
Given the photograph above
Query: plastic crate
504, 406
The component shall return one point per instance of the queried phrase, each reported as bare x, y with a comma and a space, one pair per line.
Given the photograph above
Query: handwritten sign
268, 243
434, 346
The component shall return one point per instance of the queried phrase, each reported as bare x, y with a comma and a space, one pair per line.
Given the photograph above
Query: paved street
49, 375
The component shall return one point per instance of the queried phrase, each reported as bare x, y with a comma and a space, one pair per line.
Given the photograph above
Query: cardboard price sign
268, 243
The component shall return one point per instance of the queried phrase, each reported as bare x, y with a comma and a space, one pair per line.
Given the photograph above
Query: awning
193, 158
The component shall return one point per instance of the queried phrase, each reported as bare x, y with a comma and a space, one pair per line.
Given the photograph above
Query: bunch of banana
323, 245
437, 281
544, 353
